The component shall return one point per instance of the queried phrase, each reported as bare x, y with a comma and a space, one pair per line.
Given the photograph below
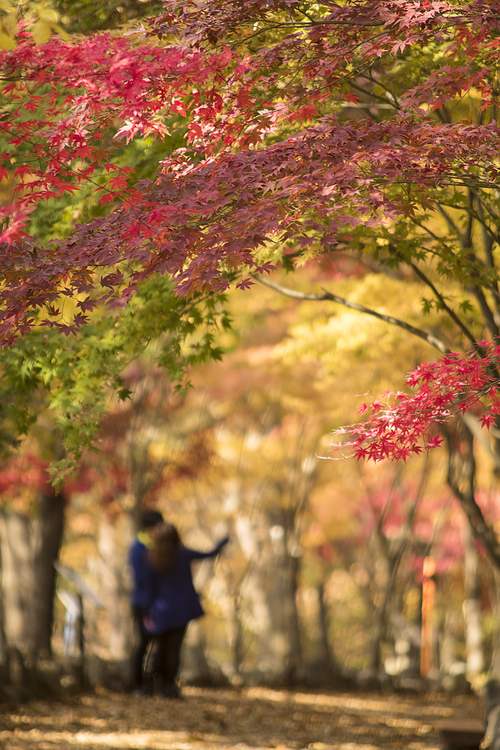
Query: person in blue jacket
139, 565
171, 599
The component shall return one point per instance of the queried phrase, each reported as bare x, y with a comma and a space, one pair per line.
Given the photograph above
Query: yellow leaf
6, 6
7, 41
9, 24
59, 30
49, 15
41, 32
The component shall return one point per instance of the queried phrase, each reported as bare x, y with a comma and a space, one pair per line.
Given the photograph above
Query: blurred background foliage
219, 411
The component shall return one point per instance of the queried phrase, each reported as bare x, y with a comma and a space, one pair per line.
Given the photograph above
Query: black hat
150, 518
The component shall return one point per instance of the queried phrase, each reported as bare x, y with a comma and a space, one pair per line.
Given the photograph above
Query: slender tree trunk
271, 587
327, 655
113, 545
3, 636
290, 617
494, 666
380, 627
17, 577
48, 531
195, 667
472, 608
231, 605
448, 644
461, 480
381, 613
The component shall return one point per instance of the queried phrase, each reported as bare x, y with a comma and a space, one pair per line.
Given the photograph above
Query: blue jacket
139, 563
171, 599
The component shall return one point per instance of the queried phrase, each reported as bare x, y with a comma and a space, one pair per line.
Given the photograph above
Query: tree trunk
448, 644
3, 635
270, 586
283, 598
324, 641
461, 480
47, 532
113, 545
17, 578
495, 657
472, 608
326, 655
380, 626
194, 667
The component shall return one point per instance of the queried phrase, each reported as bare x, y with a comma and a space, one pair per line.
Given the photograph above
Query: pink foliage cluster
65, 97
25, 475
388, 510
215, 203
405, 423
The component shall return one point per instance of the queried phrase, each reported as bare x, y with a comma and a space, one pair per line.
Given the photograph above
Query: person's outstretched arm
197, 555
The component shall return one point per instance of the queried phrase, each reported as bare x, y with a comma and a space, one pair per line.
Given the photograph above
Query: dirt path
221, 719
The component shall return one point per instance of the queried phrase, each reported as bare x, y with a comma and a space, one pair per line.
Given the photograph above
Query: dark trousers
138, 657
168, 658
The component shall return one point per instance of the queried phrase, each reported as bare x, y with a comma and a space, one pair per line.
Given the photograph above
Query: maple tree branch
461, 479
486, 310
435, 237
421, 275
476, 289
328, 296
467, 243
493, 214
62, 165
451, 224
478, 216
311, 19
271, 27
467, 238
474, 261
489, 240
394, 104
316, 91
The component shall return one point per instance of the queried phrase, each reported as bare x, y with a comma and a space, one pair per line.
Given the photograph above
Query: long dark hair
166, 541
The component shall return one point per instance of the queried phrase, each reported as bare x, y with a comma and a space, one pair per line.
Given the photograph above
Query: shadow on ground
215, 719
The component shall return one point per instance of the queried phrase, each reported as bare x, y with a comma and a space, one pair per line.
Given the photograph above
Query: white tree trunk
115, 585
472, 608
16, 577
270, 588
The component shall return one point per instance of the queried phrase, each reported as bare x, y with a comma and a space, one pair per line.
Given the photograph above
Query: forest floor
244, 719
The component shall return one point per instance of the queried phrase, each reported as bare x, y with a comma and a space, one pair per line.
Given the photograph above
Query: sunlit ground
252, 718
